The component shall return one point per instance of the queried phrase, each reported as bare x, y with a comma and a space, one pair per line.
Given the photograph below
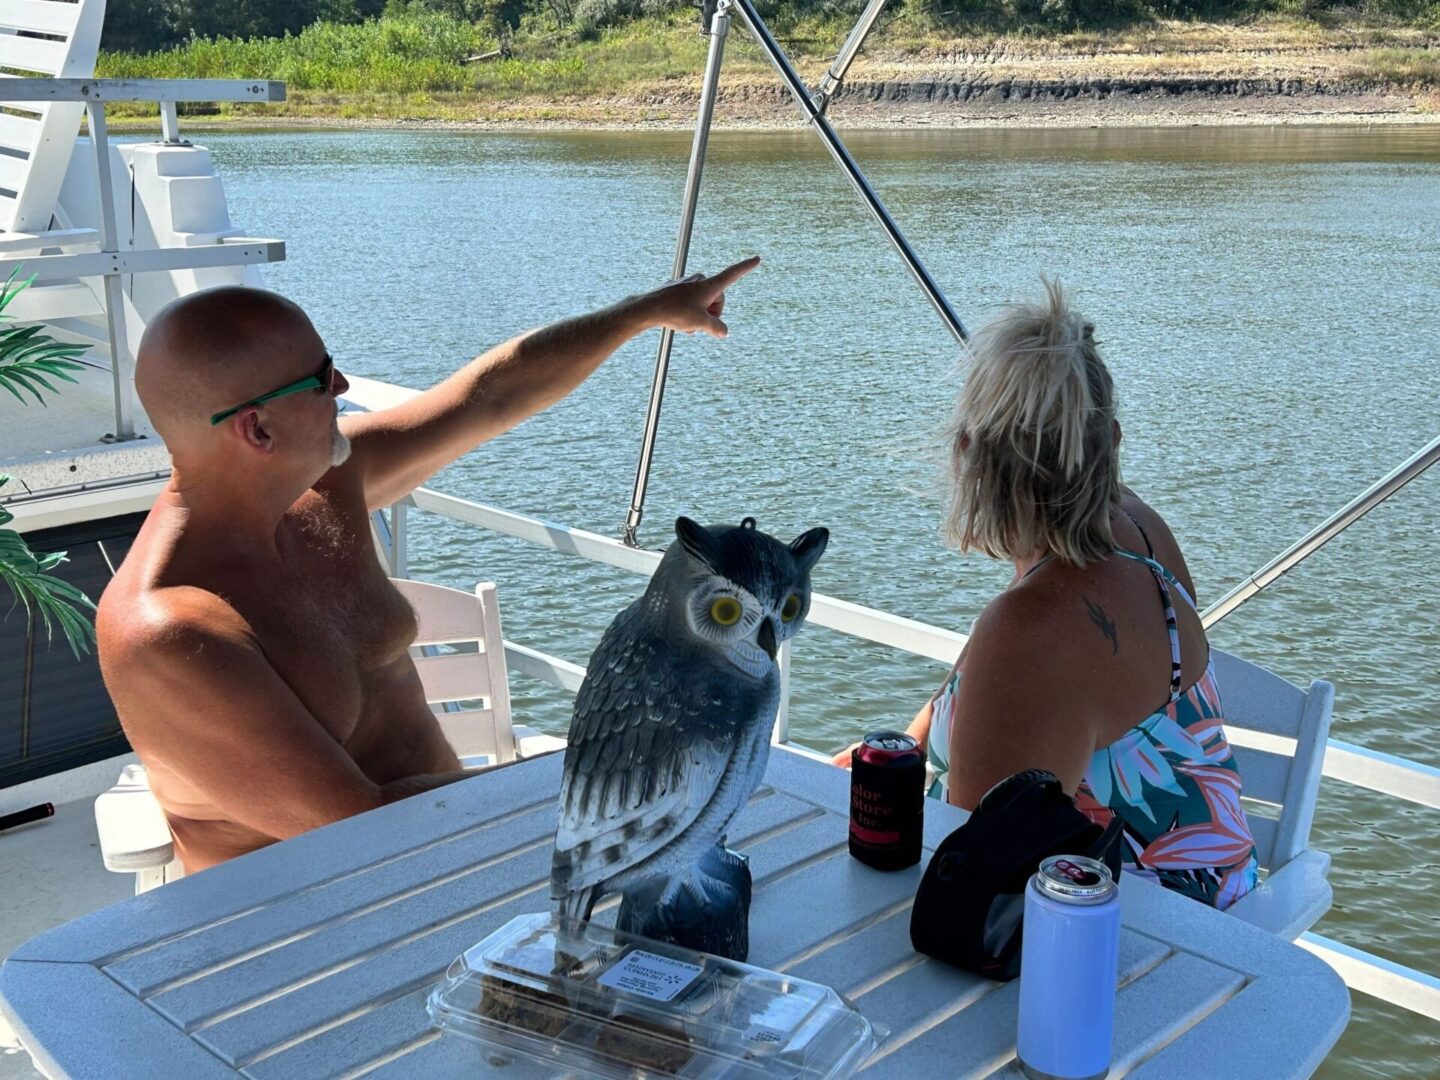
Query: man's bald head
211, 350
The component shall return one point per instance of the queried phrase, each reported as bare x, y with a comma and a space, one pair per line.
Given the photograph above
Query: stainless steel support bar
114, 293
846, 56
1318, 538
170, 123
847, 164
719, 29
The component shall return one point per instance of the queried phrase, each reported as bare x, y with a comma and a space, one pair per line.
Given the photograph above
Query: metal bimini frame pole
813, 108
842, 157
1318, 538
846, 56
719, 29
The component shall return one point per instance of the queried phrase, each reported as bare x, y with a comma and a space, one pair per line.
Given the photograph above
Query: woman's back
1108, 621
1171, 777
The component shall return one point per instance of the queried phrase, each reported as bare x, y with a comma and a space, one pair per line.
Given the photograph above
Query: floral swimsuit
1171, 780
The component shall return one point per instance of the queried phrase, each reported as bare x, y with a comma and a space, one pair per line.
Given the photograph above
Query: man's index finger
731, 274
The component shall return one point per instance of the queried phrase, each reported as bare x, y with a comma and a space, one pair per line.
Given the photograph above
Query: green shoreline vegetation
599, 59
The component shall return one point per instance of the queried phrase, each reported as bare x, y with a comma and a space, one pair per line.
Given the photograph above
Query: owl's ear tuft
808, 547
698, 542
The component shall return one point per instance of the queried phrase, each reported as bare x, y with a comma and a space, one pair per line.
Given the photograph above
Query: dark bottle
887, 800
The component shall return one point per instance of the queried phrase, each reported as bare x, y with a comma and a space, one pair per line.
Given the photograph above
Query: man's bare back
257, 655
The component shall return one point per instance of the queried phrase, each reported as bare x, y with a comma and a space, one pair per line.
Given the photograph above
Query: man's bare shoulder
164, 624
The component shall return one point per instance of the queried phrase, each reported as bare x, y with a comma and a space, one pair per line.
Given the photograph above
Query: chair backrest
59, 38
1279, 734
476, 674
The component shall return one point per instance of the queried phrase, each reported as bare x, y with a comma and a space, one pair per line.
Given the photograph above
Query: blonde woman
1092, 663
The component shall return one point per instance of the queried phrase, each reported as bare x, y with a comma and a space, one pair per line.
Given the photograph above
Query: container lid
587, 998
1075, 879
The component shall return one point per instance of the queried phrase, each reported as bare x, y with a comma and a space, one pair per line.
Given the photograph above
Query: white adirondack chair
1279, 734
135, 837
39, 138
36, 143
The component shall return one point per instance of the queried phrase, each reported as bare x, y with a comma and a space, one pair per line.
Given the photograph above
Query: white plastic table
312, 958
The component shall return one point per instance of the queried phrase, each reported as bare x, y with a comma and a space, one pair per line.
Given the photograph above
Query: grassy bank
428, 66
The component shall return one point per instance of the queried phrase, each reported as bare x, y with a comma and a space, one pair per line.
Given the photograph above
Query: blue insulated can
1069, 956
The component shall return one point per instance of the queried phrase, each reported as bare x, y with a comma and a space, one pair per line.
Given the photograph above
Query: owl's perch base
717, 922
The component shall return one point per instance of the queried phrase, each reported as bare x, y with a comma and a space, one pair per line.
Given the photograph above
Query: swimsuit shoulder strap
1163, 580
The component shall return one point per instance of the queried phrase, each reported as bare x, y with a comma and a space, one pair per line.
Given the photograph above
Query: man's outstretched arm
398, 449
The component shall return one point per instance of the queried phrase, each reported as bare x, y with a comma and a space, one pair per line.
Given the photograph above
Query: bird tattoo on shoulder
1106, 625
670, 736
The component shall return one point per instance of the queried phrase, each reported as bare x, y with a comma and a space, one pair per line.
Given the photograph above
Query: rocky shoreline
1180, 76
907, 106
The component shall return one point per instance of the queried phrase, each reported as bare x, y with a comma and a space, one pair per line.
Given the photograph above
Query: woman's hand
919, 730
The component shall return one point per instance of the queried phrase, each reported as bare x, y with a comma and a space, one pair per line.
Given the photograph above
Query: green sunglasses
321, 380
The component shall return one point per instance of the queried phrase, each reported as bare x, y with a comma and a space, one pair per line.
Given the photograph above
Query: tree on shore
144, 26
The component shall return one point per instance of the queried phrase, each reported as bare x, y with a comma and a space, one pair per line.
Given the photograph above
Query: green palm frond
28, 358
54, 600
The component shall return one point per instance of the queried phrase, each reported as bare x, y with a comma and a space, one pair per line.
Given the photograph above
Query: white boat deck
50, 873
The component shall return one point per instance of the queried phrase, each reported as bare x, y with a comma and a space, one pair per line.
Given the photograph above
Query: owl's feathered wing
650, 742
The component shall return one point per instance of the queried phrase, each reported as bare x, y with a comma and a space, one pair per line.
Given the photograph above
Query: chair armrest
530, 743
64, 239
134, 834
1290, 900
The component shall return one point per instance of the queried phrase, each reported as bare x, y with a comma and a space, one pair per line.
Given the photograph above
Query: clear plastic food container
606, 1004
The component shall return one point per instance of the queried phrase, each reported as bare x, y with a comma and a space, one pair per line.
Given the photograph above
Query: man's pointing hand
695, 302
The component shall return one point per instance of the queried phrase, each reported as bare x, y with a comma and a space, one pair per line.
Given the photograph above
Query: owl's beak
766, 637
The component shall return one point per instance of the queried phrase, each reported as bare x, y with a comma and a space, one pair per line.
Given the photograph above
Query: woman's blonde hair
1032, 450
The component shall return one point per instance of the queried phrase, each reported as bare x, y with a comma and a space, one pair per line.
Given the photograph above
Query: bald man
256, 653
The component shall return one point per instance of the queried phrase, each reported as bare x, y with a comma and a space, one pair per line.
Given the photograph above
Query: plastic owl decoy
671, 735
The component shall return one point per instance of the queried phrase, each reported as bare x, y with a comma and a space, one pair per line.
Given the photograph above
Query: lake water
1269, 301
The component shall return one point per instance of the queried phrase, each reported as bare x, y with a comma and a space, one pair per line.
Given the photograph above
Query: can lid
891, 740
1075, 879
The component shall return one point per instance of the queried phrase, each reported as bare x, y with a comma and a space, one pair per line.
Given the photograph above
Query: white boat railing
113, 261
1359, 766
1344, 761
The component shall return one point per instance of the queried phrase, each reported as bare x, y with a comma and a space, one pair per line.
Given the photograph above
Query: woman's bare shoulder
1167, 547
1019, 622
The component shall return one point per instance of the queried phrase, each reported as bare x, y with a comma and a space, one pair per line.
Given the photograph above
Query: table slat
251, 882
314, 909
355, 941
135, 1040
315, 1007
1285, 1026
347, 938
299, 1003
985, 1039
1150, 1012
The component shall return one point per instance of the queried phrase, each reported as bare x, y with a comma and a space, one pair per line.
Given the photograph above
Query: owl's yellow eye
725, 610
790, 609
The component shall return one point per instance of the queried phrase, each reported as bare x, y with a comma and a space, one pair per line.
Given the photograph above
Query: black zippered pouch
969, 909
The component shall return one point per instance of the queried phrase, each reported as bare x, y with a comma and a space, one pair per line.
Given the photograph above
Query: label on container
658, 978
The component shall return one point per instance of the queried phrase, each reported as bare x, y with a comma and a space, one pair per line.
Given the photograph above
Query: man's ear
250, 428
1116, 435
